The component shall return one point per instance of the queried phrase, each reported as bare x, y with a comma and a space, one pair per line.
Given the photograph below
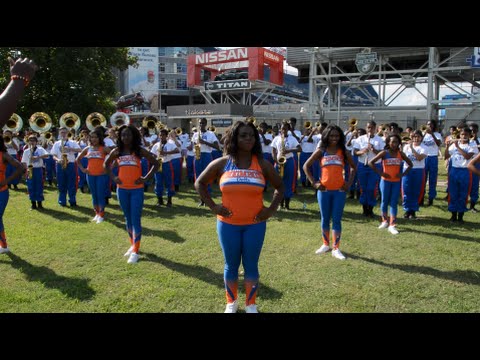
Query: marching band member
286, 147
266, 141
241, 216
308, 147
350, 145
83, 143
208, 141
190, 157
147, 145
13, 148
392, 174
459, 178
96, 176
111, 142
63, 152
297, 134
33, 157
412, 183
474, 143
333, 156
5, 159
164, 150
366, 147
130, 182
431, 140
175, 159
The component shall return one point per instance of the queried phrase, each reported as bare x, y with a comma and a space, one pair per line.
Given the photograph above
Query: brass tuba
70, 120
95, 119
14, 124
150, 122
119, 118
307, 125
40, 122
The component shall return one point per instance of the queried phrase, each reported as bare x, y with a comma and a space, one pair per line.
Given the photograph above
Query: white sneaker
383, 225
4, 250
231, 307
133, 259
251, 309
100, 220
129, 251
323, 249
95, 218
336, 253
393, 230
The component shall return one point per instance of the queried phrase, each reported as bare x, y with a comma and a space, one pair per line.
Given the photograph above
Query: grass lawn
61, 262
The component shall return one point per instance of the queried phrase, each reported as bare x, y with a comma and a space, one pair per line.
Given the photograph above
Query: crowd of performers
378, 155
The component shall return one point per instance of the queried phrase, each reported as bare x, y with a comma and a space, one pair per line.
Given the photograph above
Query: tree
78, 80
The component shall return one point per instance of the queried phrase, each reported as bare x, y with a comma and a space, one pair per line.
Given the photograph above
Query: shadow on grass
74, 288
463, 276
63, 215
207, 275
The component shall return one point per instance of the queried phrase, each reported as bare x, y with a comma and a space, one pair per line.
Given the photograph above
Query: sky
409, 97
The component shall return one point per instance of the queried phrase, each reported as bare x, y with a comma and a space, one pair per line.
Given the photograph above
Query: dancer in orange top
332, 155
130, 182
241, 217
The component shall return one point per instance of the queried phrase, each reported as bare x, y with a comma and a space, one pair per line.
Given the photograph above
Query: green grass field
62, 263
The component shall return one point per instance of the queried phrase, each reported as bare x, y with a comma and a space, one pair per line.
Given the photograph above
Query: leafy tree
78, 80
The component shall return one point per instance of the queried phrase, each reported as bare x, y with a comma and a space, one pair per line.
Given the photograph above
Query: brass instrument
48, 136
119, 118
71, 135
95, 119
382, 129
251, 120
212, 129
30, 163
423, 128
197, 147
160, 126
160, 157
70, 121
318, 124
307, 125
7, 139
40, 122
14, 124
352, 124
282, 158
455, 135
150, 122
405, 136
178, 131
64, 160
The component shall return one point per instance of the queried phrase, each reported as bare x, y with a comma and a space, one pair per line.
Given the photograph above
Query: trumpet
352, 123
251, 120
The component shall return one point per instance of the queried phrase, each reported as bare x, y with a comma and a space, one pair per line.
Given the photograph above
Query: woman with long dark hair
332, 187
241, 216
130, 182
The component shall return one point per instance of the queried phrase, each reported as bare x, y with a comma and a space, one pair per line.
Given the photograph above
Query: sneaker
133, 259
336, 253
251, 309
100, 220
323, 249
95, 218
231, 307
383, 225
129, 251
393, 230
473, 210
4, 250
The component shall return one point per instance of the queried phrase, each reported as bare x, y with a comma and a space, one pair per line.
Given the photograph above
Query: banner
144, 79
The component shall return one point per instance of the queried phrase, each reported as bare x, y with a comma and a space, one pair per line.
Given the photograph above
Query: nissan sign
228, 85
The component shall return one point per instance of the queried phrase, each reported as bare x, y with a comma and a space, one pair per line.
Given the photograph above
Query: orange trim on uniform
129, 170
